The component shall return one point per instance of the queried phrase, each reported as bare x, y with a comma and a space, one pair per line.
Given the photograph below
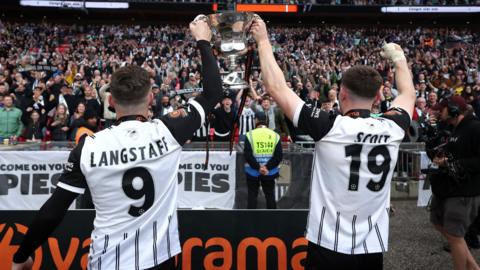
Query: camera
437, 138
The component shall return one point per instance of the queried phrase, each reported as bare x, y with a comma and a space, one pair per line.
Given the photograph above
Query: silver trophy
230, 38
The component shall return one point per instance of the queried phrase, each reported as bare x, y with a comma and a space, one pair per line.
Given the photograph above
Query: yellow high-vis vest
263, 142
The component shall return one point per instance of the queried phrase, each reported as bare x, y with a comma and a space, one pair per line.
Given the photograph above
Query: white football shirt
354, 160
131, 171
246, 121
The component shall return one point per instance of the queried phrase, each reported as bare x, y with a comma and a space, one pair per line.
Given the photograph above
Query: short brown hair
362, 81
130, 85
265, 97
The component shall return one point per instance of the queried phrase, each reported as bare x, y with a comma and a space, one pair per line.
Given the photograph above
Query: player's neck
355, 106
121, 113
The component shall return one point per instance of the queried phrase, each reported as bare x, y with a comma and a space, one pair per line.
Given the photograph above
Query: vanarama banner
210, 239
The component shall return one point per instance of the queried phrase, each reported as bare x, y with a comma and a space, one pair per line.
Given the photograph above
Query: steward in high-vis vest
263, 154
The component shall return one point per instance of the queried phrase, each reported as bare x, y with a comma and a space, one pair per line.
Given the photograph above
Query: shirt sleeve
399, 116
182, 123
313, 121
47, 219
72, 178
211, 79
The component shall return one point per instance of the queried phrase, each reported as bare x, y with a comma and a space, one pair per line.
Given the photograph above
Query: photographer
456, 184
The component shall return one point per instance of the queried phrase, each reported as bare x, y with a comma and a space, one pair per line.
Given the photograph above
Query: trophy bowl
230, 38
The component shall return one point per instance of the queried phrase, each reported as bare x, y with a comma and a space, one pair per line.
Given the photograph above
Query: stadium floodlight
431, 9
74, 4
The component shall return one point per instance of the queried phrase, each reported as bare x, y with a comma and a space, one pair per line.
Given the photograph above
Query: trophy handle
253, 16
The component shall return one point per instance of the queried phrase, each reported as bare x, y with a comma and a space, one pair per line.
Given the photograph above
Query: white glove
393, 52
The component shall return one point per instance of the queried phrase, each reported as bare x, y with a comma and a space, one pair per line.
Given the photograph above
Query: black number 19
147, 190
354, 151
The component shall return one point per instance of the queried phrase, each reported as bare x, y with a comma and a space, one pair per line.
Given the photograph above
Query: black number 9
147, 190
375, 168
354, 151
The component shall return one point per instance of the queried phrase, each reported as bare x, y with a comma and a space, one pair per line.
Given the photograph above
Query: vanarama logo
209, 253
8, 249
61, 256
225, 254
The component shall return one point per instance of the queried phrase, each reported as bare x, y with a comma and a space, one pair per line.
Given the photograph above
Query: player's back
355, 161
130, 171
353, 165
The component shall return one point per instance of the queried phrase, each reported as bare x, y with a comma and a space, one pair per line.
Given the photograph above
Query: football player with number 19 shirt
355, 155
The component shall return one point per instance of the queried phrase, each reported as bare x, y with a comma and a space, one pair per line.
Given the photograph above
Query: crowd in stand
54, 78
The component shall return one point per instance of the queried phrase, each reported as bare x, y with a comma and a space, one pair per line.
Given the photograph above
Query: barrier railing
409, 161
293, 186
306, 146
408, 164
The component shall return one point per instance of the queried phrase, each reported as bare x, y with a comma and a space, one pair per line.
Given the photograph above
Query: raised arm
184, 122
212, 83
103, 91
273, 77
403, 78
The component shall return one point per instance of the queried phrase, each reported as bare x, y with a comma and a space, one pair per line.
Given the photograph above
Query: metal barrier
192, 146
408, 171
409, 161
293, 186
408, 164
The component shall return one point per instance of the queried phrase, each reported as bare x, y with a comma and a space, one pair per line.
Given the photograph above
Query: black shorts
320, 258
166, 265
454, 214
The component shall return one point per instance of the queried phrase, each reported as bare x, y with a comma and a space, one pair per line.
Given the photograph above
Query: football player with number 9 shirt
131, 172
